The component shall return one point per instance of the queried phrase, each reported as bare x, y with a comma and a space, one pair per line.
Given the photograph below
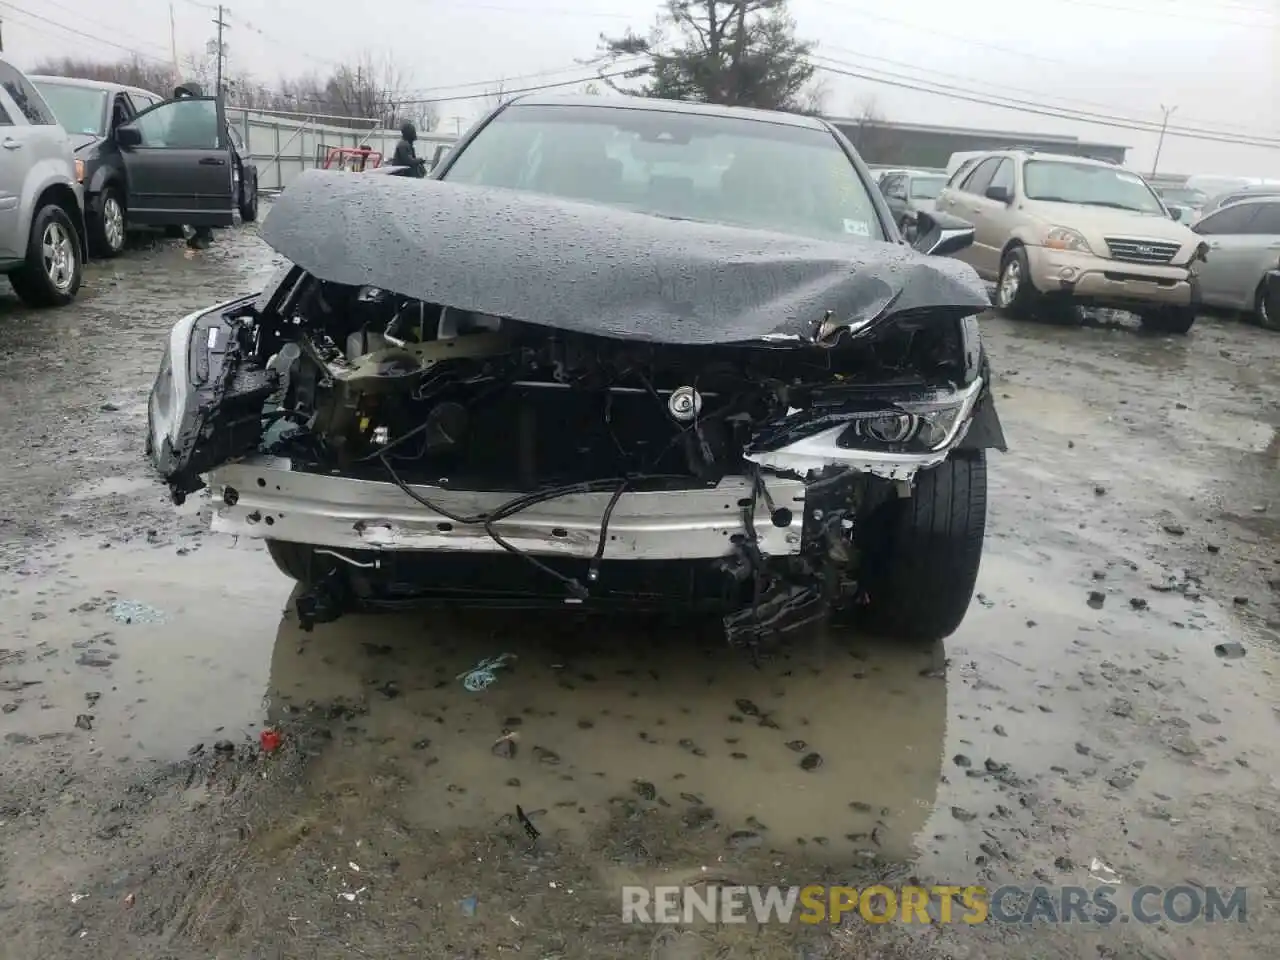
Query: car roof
103, 85
1245, 198
656, 105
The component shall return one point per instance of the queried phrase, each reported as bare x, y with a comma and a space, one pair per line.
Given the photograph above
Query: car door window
1267, 220
26, 97
980, 179
1232, 220
1003, 176
962, 172
142, 102
5, 119
187, 124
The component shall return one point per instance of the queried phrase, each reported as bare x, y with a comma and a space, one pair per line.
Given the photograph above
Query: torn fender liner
600, 270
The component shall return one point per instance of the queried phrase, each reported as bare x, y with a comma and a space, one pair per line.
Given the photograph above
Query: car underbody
394, 450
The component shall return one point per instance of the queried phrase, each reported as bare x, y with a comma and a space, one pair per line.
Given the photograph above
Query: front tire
1169, 319
107, 226
1015, 294
51, 275
1266, 308
248, 199
921, 555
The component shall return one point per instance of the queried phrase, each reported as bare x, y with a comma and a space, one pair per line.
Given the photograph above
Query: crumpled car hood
600, 270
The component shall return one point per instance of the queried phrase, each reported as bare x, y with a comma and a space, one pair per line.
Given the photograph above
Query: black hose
523, 502
593, 571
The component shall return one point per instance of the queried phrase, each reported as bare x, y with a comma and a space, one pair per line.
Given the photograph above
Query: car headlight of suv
1064, 238
908, 427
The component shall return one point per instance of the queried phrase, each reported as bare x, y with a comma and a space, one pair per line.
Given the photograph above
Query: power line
1046, 110
1085, 116
79, 33
1004, 86
957, 37
402, 101
496, 81
90, 21
1164, 9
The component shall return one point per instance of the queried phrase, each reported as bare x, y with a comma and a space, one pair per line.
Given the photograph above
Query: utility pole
173, 47
222, 50
1164, 125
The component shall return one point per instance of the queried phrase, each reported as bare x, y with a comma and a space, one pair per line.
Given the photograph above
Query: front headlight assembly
1064, 238
915, 426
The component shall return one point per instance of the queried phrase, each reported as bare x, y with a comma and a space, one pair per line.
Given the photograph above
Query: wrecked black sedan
612, 354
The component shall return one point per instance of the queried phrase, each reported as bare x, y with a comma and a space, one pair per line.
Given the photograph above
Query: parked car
684, 359
908, 194
150, 162
42, 246
1186, 204
1244, 248
1056, 230
1235, 196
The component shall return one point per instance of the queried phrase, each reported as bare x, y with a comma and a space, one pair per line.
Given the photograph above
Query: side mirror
127, 135
1000, 194
941, 234
1176, 213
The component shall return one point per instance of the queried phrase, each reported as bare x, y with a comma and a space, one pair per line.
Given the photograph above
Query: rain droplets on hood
597, 269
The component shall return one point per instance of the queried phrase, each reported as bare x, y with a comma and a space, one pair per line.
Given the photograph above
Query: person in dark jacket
405, 155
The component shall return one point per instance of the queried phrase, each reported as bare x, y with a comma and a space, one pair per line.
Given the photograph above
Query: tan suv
1054, 229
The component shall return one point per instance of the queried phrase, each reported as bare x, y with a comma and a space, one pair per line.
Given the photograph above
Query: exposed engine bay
487, 411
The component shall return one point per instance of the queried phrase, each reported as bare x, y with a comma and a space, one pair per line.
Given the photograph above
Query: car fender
104, 173
52, 172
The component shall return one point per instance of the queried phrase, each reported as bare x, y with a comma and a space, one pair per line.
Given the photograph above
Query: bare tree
149, 75
373, 88
871, 134
497, 96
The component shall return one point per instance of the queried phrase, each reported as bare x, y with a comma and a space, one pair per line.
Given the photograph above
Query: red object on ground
270, 741
357, 159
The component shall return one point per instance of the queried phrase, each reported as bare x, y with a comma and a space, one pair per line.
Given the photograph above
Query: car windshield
1192, 198
1089, 184
685, 166
77, 109
927, 188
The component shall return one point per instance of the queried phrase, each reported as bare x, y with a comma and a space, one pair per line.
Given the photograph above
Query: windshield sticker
858, 227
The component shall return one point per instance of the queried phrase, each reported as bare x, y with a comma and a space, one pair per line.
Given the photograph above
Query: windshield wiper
1113, 206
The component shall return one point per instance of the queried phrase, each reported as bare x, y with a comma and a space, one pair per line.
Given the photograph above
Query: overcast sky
1217, 62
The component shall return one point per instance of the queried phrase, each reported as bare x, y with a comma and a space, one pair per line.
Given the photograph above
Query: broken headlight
909, 427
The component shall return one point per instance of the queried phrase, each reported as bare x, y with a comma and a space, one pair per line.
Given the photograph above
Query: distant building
882, 142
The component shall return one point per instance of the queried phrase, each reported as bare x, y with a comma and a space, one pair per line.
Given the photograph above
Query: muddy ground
140, 818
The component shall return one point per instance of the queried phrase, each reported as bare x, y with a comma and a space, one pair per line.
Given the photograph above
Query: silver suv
42, 247
1056, 230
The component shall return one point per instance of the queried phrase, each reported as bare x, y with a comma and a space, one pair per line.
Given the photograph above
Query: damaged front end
394, 449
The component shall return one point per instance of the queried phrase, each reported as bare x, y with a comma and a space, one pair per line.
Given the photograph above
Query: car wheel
107, 227
249, 199
52, 272
1015, 294
1266, 308
1168, 319
291, 559
920, 554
